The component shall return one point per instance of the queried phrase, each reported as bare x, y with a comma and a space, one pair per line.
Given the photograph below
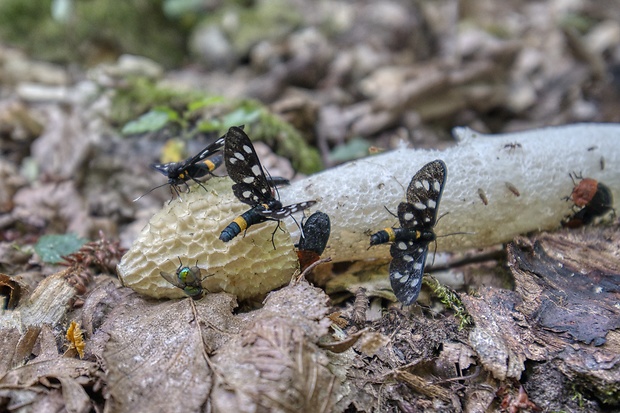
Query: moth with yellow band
252, 186
193, 168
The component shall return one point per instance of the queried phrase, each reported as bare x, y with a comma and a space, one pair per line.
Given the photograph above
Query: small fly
187, 279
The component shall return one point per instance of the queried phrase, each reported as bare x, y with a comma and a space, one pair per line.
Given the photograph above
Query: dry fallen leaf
277, 350
11, 290
36, 381
76, 340
157, 351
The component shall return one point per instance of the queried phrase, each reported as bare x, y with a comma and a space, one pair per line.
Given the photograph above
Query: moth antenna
301, 230
456, 233
148, 192
441, 216
390, 212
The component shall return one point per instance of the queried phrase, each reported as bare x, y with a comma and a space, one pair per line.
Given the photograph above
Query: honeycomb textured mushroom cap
189, 229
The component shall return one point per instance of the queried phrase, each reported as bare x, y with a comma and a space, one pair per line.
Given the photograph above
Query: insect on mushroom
313, 239
410, 242
193, 168
483, 196
592, 197
252, 187
513, 189
187, 279
512, 146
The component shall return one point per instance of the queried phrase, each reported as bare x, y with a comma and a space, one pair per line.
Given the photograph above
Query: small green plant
450, 300
155, 108
577, 396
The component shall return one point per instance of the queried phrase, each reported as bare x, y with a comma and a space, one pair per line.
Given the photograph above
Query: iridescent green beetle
187, 279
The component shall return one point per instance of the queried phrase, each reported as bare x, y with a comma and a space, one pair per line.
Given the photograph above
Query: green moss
93, 31
142, 95
450, 300
609, 394
216, 114
286, 141
577, 396
581, 23
267, 20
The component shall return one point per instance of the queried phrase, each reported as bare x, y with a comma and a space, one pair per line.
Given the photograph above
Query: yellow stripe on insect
241, 222
210, 165
391, 234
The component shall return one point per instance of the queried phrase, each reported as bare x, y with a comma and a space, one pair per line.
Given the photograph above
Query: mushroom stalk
498, 186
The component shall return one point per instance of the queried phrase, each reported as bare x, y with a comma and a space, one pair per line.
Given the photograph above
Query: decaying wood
564, 311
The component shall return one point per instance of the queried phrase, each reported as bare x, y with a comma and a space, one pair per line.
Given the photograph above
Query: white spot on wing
256, 170
420, 206
431, 204
425, 184
247, 149
248, 179
239, 156
436, 186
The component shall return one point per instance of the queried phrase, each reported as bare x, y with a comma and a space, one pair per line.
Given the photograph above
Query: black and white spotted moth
410, 242
203, 163
252, 186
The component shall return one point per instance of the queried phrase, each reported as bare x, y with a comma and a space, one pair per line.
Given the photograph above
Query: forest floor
528, 326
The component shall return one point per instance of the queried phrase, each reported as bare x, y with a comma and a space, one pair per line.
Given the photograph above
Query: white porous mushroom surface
524, 177
189, 229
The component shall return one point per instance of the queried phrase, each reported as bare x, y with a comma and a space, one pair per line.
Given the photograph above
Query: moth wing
164, 168
407, 269
425, 190
242, 162
249, 194
209, 150
278, 214
410, 216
